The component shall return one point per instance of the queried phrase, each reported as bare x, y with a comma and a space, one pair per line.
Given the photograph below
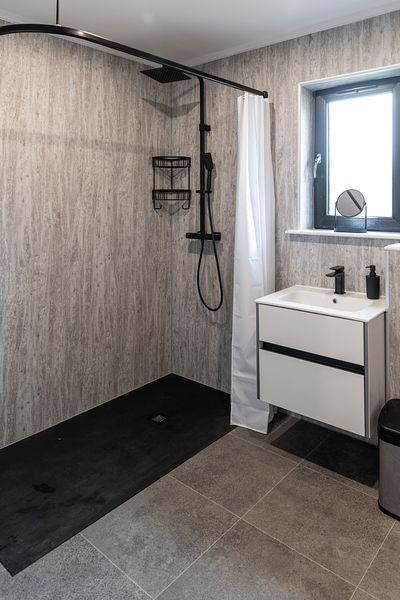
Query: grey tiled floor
251, 517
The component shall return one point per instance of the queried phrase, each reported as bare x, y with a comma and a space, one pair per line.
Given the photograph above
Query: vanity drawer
341, 339
323, 393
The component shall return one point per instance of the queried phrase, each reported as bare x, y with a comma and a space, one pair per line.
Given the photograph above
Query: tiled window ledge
375, 235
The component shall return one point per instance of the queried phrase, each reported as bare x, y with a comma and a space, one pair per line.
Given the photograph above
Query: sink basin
351, 305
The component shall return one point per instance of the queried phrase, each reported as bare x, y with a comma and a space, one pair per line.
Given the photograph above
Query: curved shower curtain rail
106, 43
60, 30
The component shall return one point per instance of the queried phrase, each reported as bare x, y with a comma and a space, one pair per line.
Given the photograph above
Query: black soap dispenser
373, 283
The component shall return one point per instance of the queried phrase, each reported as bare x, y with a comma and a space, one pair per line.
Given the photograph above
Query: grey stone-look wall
84, 260
393, 321
202, 341
97, 290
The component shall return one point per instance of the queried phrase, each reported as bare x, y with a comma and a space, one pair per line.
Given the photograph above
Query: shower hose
221, 291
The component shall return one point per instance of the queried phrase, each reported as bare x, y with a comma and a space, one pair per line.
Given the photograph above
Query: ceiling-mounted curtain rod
106, 43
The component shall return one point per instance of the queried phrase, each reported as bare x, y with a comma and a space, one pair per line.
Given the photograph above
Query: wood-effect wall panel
201, 342
84, 260
88, 271
393, 325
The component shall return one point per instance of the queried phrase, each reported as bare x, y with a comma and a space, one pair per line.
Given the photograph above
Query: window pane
360, 150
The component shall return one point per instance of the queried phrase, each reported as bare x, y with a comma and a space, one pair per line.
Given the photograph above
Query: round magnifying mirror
350, 203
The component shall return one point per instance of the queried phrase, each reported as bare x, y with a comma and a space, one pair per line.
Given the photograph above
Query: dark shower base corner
58, 482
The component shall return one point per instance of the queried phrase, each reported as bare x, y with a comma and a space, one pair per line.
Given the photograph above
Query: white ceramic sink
351, 305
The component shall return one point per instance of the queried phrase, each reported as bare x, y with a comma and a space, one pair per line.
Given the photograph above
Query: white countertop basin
351, 305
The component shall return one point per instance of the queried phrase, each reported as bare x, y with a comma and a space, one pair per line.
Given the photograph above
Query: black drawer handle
314, 358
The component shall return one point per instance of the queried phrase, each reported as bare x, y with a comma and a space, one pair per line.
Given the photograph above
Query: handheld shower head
208, 161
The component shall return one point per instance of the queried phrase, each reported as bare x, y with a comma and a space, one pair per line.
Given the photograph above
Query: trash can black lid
389, 422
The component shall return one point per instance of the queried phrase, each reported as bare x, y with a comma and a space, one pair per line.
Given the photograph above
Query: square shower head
165, 74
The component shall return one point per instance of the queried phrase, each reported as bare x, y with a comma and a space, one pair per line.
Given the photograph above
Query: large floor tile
248, 565
349, 460
157, 534
234, 473
293, 438
74, 571
360, 595
337, 526
382, 579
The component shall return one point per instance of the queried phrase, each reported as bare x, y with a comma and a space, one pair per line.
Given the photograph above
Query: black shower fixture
206, 168
169, 72
205, 191
165, 74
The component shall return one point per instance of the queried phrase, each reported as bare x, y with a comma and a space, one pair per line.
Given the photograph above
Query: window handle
317, 161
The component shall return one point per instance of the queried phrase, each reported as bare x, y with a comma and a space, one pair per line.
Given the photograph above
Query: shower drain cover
44, 488
159, 418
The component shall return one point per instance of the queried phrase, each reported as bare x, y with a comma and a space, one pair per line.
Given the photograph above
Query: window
357, 142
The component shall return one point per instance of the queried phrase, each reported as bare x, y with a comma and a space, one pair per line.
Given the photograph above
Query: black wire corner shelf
167, 169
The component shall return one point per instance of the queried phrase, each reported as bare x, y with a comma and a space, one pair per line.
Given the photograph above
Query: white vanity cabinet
326, 367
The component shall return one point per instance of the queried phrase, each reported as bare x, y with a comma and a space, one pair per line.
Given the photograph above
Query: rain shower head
165, 74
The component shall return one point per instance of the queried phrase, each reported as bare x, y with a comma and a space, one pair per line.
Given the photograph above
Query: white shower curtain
254, 262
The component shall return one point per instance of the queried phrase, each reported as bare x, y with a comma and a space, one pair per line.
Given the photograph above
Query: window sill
369, 235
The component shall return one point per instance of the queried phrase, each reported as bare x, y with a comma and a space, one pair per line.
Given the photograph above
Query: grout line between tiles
272, 449
328, 435
242, 518
347, 485
374, 557
225, 532
269, 491
115, 565
368, 594
197, 559
300, 553
302, 464
297, 464
307, 466
264, 447
203, 496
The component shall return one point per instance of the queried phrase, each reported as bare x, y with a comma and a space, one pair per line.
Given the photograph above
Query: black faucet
338, 274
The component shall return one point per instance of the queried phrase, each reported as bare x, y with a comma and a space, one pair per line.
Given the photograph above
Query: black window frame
322, 220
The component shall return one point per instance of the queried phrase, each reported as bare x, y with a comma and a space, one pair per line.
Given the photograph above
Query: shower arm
86, 36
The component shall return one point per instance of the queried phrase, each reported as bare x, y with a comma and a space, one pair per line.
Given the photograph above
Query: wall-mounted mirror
351, 204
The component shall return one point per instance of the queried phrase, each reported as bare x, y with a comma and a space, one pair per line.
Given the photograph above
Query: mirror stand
350, 205
350, 224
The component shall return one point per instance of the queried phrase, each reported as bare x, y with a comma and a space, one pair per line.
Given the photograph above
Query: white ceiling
192, 31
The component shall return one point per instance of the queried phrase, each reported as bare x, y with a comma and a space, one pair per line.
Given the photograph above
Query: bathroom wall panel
393, 324
202, 341
84, 260
88, 272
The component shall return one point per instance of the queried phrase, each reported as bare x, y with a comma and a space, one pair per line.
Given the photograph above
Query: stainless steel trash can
389, 458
